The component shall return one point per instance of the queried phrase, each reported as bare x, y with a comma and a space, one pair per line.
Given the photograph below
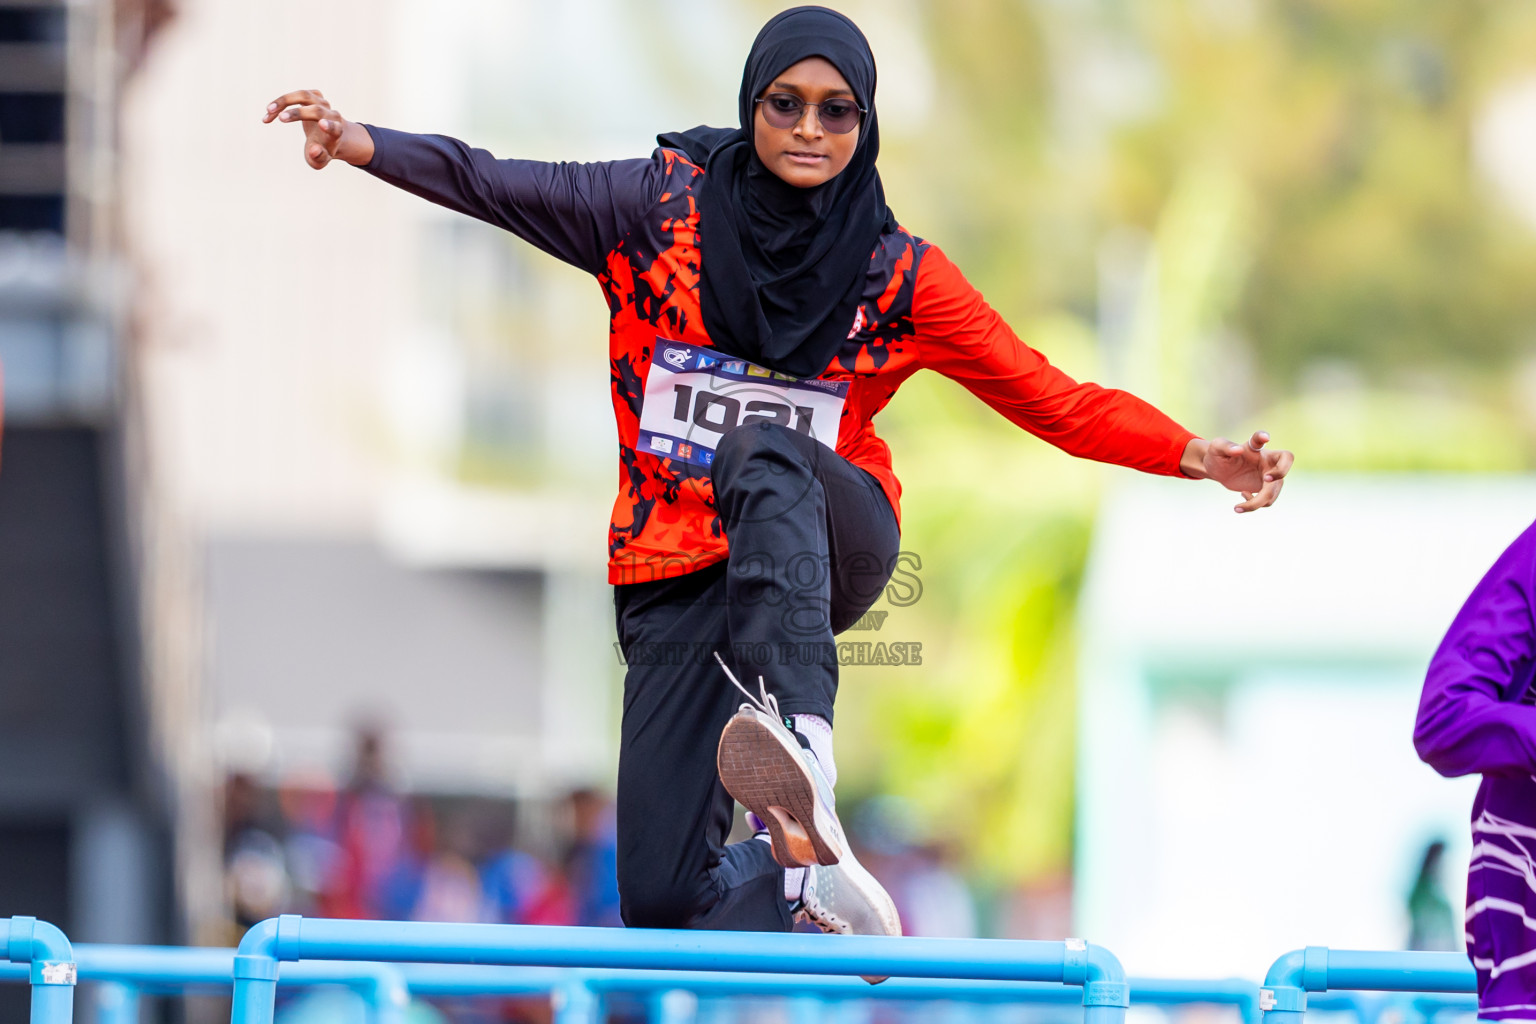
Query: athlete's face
805, 154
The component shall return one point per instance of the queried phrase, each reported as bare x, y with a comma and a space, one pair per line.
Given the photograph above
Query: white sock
794, 883
819, 732
794, 878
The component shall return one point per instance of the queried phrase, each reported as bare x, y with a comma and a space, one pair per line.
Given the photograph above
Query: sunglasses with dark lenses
838, 116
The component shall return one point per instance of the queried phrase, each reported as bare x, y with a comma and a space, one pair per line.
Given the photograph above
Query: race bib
694, 396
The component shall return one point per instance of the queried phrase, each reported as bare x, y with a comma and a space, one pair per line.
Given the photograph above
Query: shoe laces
763, 700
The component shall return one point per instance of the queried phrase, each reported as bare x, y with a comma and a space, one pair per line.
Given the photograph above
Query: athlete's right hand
327, 135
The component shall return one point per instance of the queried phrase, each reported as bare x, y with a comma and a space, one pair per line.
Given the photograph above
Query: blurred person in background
308, 804
1477, 714
930, 894
519, 887
255, 868
370, 829
403, 887
1431, 921
591, 861
937, 902
765, 305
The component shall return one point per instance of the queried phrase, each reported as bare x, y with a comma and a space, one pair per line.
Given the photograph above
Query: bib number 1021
694, 396
722, 413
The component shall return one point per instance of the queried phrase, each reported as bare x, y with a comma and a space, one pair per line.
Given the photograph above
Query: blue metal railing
1374, 1007
580, 967
1283, 999
51, 967
122, 973
125, 972
455, 980
1105, 994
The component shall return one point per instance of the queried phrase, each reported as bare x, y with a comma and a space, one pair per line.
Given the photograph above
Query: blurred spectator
591, 861
451, 886
255, 871
314, 856
520, 888
370, 819
931, 896
1040, 909
1432, 921
935, 900
369, 851
401, 887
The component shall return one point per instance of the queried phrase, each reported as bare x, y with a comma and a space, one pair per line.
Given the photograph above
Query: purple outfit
1476, 715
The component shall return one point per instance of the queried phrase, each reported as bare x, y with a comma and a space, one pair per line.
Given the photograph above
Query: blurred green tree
1376, 244
1320, 247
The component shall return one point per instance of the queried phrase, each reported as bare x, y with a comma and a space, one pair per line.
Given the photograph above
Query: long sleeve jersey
635, 225
1476, 716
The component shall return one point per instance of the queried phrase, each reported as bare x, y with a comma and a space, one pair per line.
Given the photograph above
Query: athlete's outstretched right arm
1472, 715
575, 212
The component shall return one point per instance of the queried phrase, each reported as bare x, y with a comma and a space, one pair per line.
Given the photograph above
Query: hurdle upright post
44, 946
255, 973
1106, 993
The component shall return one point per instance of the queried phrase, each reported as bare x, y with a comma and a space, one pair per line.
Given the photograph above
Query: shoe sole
775, 784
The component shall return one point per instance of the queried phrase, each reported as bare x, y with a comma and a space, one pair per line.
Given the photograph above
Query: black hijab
783, 267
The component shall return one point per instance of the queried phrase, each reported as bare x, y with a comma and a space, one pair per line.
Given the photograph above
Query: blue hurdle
1283, 999
459, 980
931, 970
1372, 1007
123, 973
817, 991
1105, 994
51, 967
176, 968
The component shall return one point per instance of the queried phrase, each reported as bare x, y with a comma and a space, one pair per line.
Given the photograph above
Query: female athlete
764, 305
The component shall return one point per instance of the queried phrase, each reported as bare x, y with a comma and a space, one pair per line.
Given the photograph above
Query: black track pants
813, 541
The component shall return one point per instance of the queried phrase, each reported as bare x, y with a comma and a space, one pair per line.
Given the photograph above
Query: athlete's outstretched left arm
965, 339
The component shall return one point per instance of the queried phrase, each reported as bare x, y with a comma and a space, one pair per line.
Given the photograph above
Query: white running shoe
764, 767
845, 899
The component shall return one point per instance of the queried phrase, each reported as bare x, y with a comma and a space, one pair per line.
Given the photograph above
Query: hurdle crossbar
1283, 997
1093, 969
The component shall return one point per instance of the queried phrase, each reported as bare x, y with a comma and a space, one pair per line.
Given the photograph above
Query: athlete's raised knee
754, 440
657, 904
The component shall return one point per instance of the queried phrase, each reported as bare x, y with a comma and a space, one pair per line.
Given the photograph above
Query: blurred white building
377, 433
87, 801
1247, 782
383, 427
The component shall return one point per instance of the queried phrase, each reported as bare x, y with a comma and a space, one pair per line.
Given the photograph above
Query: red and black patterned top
635, 225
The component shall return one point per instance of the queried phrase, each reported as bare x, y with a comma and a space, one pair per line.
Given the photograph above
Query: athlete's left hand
1249, 469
